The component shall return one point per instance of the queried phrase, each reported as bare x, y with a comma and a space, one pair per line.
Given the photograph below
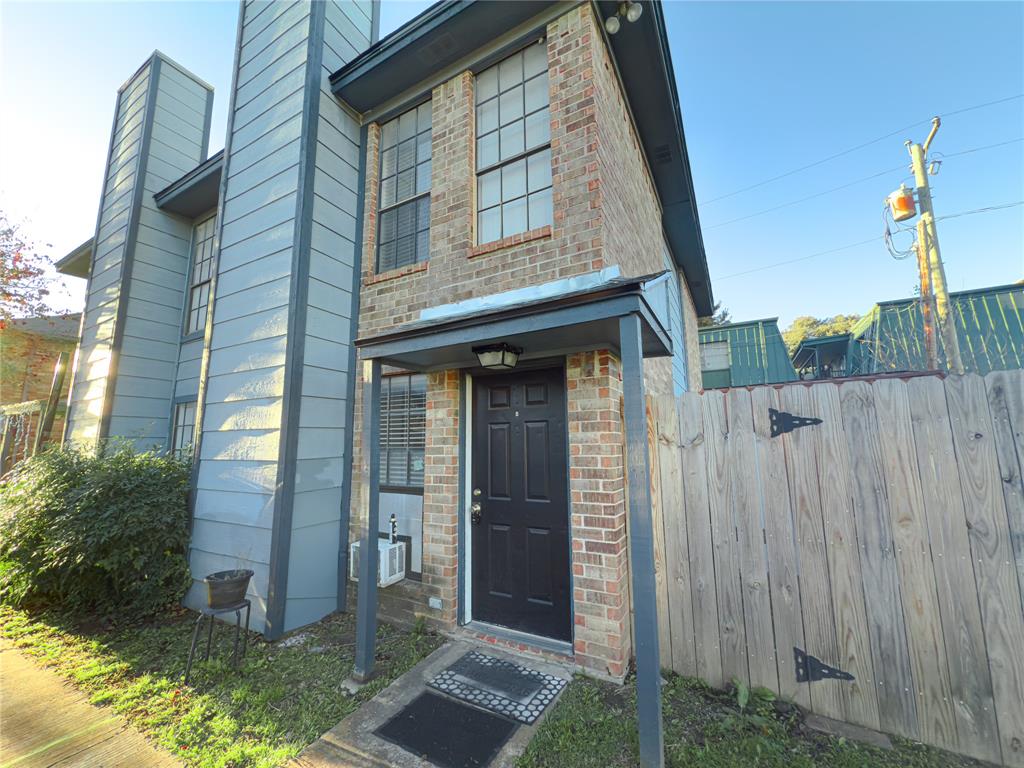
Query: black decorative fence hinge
809, 669
782, 422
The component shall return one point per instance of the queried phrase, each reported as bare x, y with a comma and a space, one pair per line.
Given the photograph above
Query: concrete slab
46, 722
352, 743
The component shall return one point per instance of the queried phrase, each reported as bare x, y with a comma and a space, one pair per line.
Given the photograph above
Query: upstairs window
403, 431
404, 236
513, 145
202, 271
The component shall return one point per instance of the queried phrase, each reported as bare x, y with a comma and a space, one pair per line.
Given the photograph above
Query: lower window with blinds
403, 416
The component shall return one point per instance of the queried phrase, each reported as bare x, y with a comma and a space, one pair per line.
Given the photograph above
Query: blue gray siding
157, 287
124, 373
323, 439
680, 380
272, 434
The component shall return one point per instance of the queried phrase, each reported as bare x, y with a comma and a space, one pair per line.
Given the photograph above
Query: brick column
441, 493
597, 487
453, 187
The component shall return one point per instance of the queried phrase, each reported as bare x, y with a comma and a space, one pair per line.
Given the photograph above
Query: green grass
594, 726
282, 698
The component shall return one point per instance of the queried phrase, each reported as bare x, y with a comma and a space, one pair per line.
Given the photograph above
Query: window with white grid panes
404, 217
184, 428
202, 272
513, 145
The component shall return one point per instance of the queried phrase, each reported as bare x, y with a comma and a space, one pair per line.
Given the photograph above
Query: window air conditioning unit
390, 563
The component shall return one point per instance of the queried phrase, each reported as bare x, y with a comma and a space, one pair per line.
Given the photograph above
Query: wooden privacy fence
868, 566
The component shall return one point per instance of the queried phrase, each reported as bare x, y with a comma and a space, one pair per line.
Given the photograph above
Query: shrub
95, 532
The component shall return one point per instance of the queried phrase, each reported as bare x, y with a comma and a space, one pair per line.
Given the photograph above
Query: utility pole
930, 245
927, 300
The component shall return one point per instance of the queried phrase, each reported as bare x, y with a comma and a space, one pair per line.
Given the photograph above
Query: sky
766, 88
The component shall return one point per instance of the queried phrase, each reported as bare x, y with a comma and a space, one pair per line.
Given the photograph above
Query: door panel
520, 538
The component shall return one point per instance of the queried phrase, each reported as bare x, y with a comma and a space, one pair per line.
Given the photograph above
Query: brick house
29, 350
492, 180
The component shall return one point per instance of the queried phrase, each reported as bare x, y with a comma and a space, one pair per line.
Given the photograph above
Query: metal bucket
226, 588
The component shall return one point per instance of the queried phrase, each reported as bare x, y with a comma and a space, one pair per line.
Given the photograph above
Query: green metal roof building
890, 338
823, 357
742, 354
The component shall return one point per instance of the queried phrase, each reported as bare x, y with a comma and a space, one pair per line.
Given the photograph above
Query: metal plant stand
212, 613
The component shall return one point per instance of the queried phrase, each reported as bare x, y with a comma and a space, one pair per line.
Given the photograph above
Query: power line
980, 210
802, 258
858, 181
805, 199
987, 209
858, 147
944, 155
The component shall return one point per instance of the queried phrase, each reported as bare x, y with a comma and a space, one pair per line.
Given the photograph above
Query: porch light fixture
498, 357
629, 10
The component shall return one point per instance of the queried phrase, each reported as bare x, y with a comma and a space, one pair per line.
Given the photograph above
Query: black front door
520, 530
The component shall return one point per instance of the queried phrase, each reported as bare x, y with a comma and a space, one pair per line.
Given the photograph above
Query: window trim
382, 209
176, 403
186, 334
414, 490
524, 155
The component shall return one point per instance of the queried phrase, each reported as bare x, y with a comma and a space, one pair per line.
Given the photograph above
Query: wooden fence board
745, 502
883, 603
956, 592
732, 636
677, 550
885, 541
1006, 402
815, 596
783, 578
994, 570
658, 531
926, 644
704, 597
860, 702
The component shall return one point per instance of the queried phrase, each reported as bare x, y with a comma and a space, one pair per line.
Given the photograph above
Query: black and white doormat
499, 686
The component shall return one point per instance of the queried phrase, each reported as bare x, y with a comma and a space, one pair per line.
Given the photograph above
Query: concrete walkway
353, 744
46, 723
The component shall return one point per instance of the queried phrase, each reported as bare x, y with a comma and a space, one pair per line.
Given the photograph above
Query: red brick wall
27, 361
441, 492
598, 505
606, 213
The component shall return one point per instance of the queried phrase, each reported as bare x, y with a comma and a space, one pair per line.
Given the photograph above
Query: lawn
285, 695
594, 726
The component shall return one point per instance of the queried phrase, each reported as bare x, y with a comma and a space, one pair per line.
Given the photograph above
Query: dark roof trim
739, 324
956, 294
681, 218
77, 263
196, 192
618, 287
453, 30
836, 343
374, 56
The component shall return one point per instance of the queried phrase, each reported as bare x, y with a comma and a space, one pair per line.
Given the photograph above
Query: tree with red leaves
24, 285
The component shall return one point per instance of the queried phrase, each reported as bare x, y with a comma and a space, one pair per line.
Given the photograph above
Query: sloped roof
51, 326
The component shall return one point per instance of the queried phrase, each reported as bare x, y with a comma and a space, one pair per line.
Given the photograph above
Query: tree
807, 327
24, 286
719, 316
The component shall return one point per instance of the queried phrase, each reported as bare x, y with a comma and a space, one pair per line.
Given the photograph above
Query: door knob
477, 512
